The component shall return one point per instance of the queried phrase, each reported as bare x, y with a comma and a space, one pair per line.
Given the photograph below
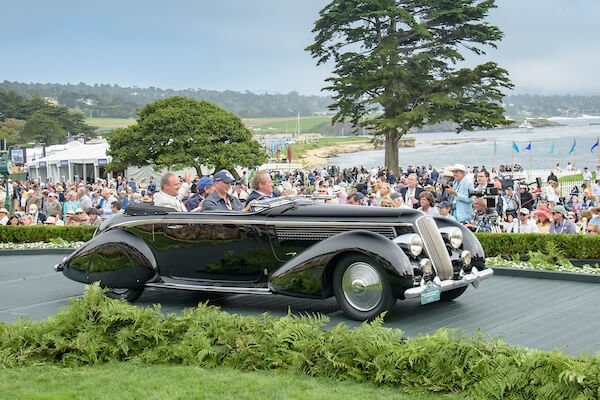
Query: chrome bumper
471, 278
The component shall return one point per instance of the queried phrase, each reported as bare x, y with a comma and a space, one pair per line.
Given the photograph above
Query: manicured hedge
569, 246
39, 233
494, 244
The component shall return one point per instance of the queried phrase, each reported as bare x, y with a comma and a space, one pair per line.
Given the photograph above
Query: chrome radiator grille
435, 246
320, 233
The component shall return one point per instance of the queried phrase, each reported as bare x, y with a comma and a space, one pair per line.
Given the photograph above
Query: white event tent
84, 161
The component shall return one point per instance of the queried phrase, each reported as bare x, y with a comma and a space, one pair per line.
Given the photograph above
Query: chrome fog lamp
415, 245
466, 257
456, 238
426, 266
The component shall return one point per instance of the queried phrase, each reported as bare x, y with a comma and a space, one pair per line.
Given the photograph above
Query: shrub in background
41, 233
569, 246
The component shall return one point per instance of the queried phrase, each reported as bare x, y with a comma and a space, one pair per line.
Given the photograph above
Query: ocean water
478, 148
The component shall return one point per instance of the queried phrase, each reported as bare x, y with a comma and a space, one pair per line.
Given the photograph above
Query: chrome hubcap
362, 286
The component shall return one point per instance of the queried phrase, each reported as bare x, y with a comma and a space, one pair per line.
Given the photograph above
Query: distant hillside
519, 106
113, 101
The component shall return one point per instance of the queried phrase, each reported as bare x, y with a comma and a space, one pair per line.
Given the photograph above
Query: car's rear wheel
361, 288
129, 294
452, 294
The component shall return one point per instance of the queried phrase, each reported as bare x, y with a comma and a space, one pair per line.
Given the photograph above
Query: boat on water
525, 126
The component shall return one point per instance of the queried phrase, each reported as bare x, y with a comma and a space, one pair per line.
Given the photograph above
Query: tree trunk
392, 138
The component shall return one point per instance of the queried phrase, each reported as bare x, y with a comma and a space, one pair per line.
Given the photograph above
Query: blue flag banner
515, 147
573, 147
528, 146
595, 145
552, 148
496, 147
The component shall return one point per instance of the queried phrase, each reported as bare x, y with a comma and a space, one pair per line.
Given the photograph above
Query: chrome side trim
435, 246
318, 233
471, 278
218, 289
308, 224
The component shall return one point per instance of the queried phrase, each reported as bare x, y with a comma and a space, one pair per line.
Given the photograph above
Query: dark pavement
536, 313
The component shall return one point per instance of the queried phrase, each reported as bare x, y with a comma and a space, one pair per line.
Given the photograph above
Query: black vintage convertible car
367, 257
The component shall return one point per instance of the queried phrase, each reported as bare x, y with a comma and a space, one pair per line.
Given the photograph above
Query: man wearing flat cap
220, 199
561, 224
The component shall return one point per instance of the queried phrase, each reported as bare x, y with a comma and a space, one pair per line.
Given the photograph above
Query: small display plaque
430, 294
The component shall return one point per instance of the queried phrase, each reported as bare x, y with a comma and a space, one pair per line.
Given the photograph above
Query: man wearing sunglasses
526, 224
561, 224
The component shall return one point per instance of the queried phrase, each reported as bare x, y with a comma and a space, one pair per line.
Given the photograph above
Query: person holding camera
483, 181
511, 202
482, 221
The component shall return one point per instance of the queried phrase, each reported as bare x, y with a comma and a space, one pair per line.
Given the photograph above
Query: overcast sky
550, 46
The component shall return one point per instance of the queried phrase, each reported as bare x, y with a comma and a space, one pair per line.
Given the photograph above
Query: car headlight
456, 238
415, 245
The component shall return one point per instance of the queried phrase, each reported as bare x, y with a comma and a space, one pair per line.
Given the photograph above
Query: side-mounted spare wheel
128, 294
361, 287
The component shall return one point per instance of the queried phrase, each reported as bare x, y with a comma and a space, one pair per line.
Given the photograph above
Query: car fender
309, 274
116, 258
470, 241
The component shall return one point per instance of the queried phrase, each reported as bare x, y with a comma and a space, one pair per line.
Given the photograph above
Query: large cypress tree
396, 65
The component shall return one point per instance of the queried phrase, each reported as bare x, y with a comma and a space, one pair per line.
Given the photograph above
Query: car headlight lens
416, 245
456, 238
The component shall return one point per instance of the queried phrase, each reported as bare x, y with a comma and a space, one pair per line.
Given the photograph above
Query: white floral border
499, 262
40, 245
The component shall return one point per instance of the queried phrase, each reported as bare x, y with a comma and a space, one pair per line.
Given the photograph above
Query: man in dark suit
412, 192
262, 186
38, 217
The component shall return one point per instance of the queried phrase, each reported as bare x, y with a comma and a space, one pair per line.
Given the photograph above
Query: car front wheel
361, 288
128, 294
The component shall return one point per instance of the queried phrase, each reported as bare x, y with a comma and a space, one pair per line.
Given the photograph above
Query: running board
219, 289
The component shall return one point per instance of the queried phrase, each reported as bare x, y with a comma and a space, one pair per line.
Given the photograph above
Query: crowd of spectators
482, 200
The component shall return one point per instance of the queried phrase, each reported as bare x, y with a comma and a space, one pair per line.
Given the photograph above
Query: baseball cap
224, 175
561, 210
444, 204
204, 182
524, 211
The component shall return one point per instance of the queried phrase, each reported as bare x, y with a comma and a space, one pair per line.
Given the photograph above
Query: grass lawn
110, 123
575, 178
307, 124
134, 381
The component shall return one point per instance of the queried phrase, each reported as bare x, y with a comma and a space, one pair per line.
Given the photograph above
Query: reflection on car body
367, 257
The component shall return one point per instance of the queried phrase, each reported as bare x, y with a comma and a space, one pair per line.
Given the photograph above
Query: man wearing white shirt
587, 176
3, 216
172, 191
526, 224
596, 189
